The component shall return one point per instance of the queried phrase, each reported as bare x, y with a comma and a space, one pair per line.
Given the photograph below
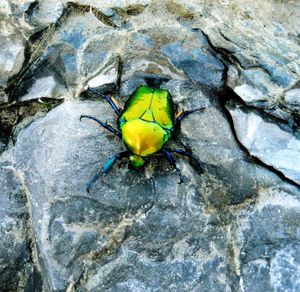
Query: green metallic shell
146, 122
149, 104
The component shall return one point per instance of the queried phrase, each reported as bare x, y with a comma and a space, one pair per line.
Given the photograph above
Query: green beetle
145, 124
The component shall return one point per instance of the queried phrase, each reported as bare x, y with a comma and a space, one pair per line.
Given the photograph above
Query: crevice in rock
229, 95
11, 115
234, 252
229, 58
224, 59
35, 46
39, 41
103, 18
31, 9
80, 8
36, 280
130, 10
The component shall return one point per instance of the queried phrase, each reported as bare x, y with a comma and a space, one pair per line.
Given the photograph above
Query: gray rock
29, 16
11, 56
267, 241
249, 94
268, 142
196, 61
74, 55
16, 267
232, 228
53, 201
292, 99
45, 87
132, 224
2, 142
44, 13
3, 97
260, 43
109, 77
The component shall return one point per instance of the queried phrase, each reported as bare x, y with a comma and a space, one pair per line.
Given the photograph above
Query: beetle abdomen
143, 138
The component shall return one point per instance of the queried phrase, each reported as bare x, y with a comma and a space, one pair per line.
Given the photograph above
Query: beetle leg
171, 160
198, 164
104, 125
110, 100
107, 166
185, 113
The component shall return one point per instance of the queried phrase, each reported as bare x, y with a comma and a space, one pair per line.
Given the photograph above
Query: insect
145, 124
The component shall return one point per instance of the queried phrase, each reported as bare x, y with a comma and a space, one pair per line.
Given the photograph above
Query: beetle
145, 124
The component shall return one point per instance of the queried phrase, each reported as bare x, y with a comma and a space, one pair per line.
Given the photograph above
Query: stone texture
197, 63
16, 267
45, 87
2, 142
268, 142
109, 77
3, 97
268, 241
116, 226
233, 228
292, 99
261, 41
11, 56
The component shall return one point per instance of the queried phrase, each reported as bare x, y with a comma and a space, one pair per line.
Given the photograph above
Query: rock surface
11, 56
268, 142
233, 228
17, 271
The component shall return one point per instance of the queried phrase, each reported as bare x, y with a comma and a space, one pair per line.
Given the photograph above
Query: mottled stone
249, 94
292, 99
2, 142
154, 200
267, 240
11, 56
43, 13
16, 266
232, 228
3, 97
45, 87
268, 142
197, 62
109, 77
117, 223
261, 40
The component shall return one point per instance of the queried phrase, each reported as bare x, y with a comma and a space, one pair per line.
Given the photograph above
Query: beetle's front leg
111, 101
104, 125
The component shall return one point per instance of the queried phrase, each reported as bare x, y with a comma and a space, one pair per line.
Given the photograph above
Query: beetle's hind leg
196, 162
109, 100
107, 166
104, 125
171, 160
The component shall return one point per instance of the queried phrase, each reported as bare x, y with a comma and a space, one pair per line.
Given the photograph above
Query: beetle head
136, 161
